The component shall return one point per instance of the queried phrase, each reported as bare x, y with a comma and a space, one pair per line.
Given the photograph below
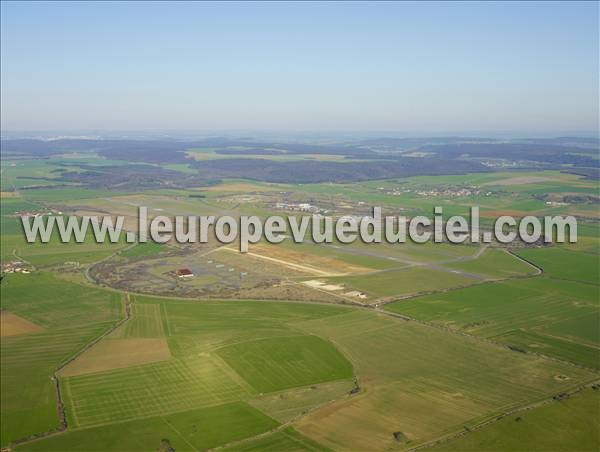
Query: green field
207, 373
195, 328
564, 264
53, 303
286, 362
568, 425
287, 439
242, 349
70, 316
199, 376
56, 252
554, 317
225, 353
142, 391
495, 263
146, 322
9, 207
143, 250
15, 175
397, 283
193, 430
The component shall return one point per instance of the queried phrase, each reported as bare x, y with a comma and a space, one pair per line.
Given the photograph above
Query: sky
410, 68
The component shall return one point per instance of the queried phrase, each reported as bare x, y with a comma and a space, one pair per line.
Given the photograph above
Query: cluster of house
499, 163
298, 207
31, 214
556, 203
395, 191
449, 191
453, 192
15, 267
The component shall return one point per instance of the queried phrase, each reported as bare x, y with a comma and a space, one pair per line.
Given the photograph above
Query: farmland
128, 394
403, 383
564, 264
198, 429
295, 346
535, 429
287, 226
281, 363
242, 351
67, 317
556, 314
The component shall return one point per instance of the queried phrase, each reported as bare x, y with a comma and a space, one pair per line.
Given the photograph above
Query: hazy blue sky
414, 68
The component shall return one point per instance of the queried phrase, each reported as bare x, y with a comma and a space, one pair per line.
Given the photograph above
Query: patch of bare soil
13, 325
523, 180
111, 354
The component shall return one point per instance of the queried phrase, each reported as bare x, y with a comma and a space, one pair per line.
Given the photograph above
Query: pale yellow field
13, 325
111, 354
10, 194
240, 187
310, 263
519, 180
